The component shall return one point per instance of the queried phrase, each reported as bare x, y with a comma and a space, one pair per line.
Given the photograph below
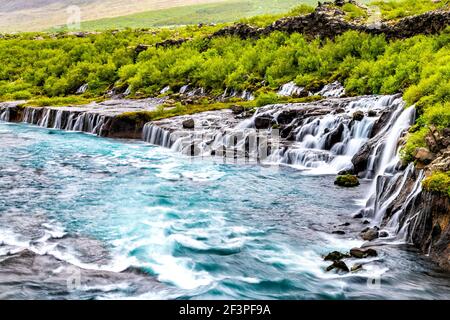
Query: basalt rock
188, 123
381, 122
363, 253
358, 116
263, 122
339, 265
370, 234
329, 21
334, 137
347, 181
335, 256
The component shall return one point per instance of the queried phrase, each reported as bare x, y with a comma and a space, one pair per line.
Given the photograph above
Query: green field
229, 11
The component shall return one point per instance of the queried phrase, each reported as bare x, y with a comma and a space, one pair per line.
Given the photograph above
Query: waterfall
184, 89
393, 190
333, 90
5, 114
157, 136
82, 89
247, 95
165, 90
65, 119
290, 89
326, 144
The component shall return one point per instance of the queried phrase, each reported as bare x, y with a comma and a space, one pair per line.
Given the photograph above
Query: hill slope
22, 15
224, 11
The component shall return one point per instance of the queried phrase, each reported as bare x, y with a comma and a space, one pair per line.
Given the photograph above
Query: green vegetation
347, 181
354, 12
391, 10
438, 182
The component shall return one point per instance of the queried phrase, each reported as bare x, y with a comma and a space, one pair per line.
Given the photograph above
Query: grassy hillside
225, 11
36, 15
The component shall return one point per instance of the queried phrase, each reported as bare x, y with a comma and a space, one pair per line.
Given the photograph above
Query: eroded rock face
120, 118
329, 22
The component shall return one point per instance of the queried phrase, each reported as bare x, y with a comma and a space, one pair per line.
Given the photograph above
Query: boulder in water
263, 122
188, 123
334, 137
335, 256
363, 253
347, 181
370, 234
339, 265
358, 116
357, 267
384, 234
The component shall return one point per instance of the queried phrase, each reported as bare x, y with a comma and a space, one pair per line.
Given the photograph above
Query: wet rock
263, 122
334, 137
372, 113
237, 109
356, 267
346, 224
189, 123
359, 215
346, 172
339, 232
361, 158
363, 253
347, 181
370, 234
335, 256
381, 122
339, 265
384, 234
358, 116
366, 222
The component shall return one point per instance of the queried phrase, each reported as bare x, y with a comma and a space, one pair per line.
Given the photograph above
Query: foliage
438, 182
347, 181
354, 12
399, 9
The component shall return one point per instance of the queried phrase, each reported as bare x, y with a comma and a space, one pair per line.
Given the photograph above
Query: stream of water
195, 229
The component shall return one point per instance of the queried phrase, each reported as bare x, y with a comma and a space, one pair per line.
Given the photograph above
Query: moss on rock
347, 181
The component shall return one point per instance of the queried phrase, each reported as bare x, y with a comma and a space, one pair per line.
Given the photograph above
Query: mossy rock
347, 181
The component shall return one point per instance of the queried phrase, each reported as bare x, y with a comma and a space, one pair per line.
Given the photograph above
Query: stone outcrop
328, 21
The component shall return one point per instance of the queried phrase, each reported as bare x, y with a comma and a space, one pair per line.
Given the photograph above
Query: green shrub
438, 182
353, 11
403, 8
266, 99
347, 181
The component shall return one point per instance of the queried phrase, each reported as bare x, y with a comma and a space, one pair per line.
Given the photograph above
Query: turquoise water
203, 229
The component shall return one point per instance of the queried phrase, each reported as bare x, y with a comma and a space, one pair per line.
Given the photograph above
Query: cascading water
157, 136
387, 151
63, 119
290, 89
326, 144
5, 114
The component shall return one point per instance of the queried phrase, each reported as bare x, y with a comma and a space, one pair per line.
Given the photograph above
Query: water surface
195, 229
